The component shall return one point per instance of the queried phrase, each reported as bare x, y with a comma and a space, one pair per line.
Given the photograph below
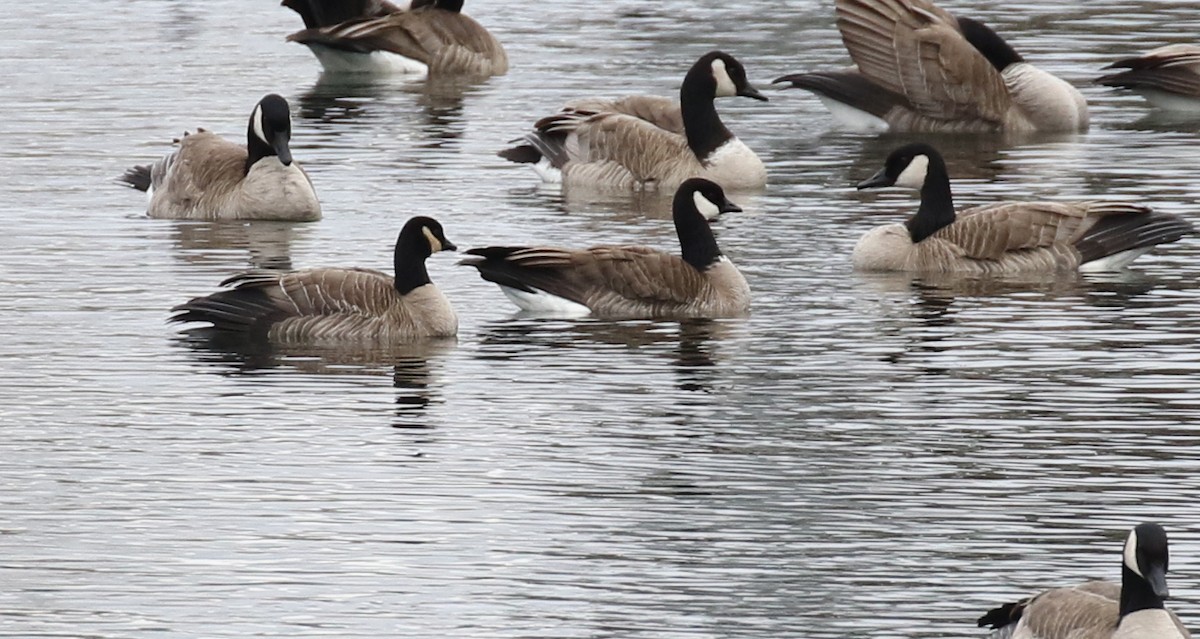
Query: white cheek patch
1131, 553
705, 206
257, 119
725, 85
913, 176
435, 244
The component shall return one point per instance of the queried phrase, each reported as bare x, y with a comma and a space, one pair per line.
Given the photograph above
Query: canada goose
333, 305
209, 177
1008, 237
628, 281
1100, 609
921, 69
1167, 77
640, 142
431, 37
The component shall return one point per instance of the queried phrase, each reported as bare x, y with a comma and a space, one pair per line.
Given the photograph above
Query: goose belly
1146, 624
542, 302
734, 165
272, 191
376, 62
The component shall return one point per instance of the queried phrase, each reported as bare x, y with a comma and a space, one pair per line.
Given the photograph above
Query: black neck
696, 240
937, 205
411, 250
1136, 593
989, 43
256, 148
453, 6
704, 129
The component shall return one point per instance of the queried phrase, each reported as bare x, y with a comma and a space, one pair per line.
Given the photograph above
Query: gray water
863, 456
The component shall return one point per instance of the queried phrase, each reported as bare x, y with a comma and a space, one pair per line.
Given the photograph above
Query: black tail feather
244, 310
137, 177
1119, 233
847, 87
997, 618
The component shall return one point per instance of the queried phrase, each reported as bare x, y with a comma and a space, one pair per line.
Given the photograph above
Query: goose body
643, 142
209, 177
622, 282
919, 68
431, 37
1100, 609
336, 305
1167, 77
1005, 238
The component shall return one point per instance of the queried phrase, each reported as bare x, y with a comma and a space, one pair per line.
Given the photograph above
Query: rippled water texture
864, 456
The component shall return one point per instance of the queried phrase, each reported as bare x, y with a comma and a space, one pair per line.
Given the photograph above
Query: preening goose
628, 281
1008, 237
431, 37
336, 305
918, 68
1167, 77
1100, 609
643, 142
209, 177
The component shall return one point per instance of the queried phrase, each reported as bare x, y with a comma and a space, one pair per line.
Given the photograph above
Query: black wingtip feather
137, 177
997, 618
847, 87
241, 310
1119, 233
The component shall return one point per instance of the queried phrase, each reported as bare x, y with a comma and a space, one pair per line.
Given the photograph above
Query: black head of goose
336, 304
430, 37
1004, 238
1101, 609
919, 68
624, 282
647, 141
209, 177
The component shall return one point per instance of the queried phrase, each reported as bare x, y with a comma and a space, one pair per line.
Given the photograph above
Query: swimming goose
209, 177
335, 305
1167, 77
1008, 237
918, 68
1100, 609
643, 142
431, 37
628, 281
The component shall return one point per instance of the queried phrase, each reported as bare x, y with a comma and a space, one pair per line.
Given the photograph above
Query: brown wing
205, 163
915, 49
1071, 613
324, 291
989, 232
648, 152
661, 112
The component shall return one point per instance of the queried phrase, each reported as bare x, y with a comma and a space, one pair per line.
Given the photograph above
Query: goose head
269, 131
694, 200
1146, 557
703, 196
723, 75
423, 236
906, 167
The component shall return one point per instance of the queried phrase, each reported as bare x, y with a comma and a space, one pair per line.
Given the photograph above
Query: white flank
913, 175
1170, 101
256, 118
706, 206
376, 62
543, 302
1114, 262
725, 85
852, 118
547, 171
1154, 622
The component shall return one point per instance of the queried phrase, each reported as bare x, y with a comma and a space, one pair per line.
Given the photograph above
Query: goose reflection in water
268, 245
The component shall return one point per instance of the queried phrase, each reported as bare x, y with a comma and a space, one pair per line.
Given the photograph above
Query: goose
431, 37
627, 282
209, 177
336, 305
918, 68
1167, 77
1100, 609
1007, 237
646, 142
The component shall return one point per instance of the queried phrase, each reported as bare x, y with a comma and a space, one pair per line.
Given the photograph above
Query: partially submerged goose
1100, 609
336, 305
628, 281
431, 37
1167, 77
639, 142
209, 177
1008, 237
918, 68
